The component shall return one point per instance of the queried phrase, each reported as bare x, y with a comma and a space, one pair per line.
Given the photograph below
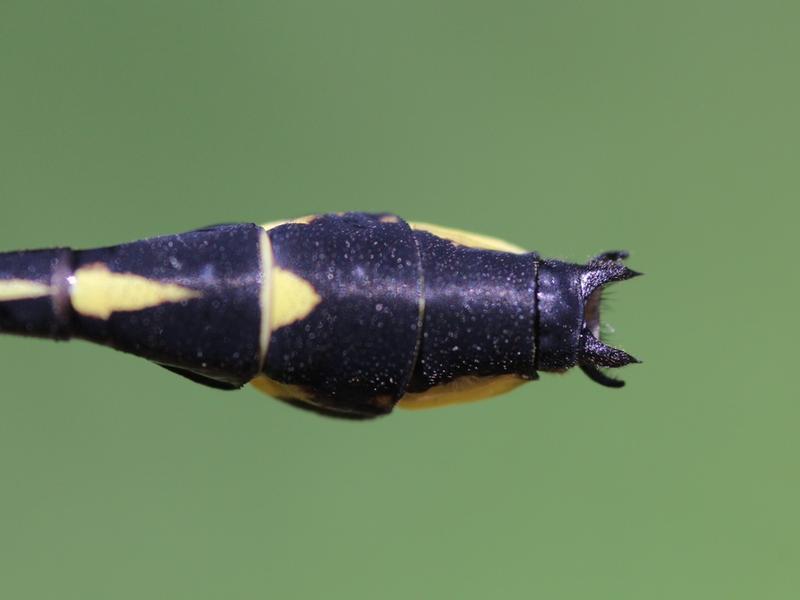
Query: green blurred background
670, 129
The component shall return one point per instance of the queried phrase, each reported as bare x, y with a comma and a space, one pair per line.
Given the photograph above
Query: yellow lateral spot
293, 298
390, 219
282, 391
464, 389
98, 292
22, 289
273, 224
265, 295
468, 238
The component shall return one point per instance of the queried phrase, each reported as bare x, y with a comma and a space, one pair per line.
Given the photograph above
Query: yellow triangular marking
293, 298
98, 292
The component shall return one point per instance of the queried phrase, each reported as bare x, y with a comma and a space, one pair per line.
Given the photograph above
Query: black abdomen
342, 314
479, 313
355, 351
398, 310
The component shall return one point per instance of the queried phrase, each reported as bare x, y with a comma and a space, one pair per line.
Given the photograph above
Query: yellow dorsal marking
98, 292
293, 298
265, 294
22, 289
461, 390
468, 238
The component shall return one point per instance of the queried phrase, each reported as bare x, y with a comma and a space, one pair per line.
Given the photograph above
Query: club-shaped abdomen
346, 315
370, 311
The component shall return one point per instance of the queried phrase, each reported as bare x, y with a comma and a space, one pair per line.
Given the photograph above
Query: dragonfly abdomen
342, 314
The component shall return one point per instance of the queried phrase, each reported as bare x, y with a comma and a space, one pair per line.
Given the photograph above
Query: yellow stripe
283, 391
22, 289
303, 220
98, 292
468, 238
464, 389
293, 298
265, 294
